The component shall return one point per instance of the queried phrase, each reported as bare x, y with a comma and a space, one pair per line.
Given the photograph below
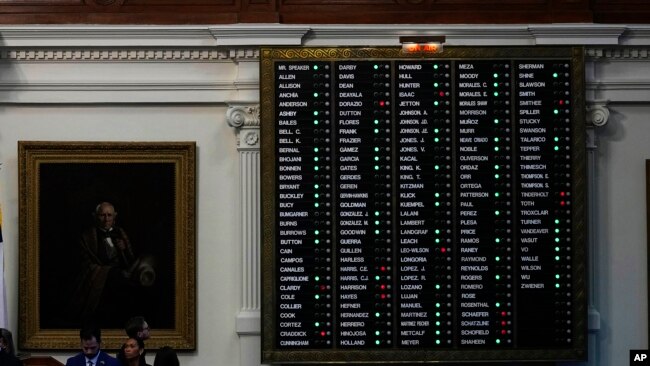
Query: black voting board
423, 207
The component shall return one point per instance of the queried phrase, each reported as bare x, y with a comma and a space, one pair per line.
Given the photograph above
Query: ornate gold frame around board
578, 351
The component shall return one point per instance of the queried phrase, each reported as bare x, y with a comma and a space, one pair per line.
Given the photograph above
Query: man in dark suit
91, 354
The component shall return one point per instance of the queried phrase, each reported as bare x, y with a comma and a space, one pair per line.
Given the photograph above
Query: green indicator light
376, 222
496, 84
376, 158
317, 297
496, 148
316, 167
435, 66
436, 140
315, 158
496, 167
315, 121
557, 240
496, 75
557, 249
376, 130
437, 323
377, 278
435, 103
316, 232
437, 304
555, 74
556, 148
496, 94
557, 257
556, 139
317, 241
496, 139
437, 333
435, 85
436, 167
496, 176
498, 341
317, 279
378, 342
315, 67
377, 213
497, 240
316, 186
497, 194
377, 232
376, 167
376, 67
557, 221
496, 120
315, 113
497, 277
316, 204
438, 314
557, 231
437, 231
437, 203
497, 213
376, 121
497, 305
437, 287
315, 149
316, 195
376, 149
557, 285
437, 341
437, 241
557, 276
377, 332
497, 259
555, 111
436, 130
316, 94
436, 194
377, 315
317, 324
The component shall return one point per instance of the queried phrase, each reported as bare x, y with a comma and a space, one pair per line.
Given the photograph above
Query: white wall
178, 83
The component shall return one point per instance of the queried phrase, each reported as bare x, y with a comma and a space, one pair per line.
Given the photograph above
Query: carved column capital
245, 118
597, 113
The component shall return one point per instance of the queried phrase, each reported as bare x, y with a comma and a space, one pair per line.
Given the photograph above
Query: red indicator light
442, 94
562, 203
562, 194
383, 296
323, 287
561, 102
443, 250
503, 323
382, 103
322, 334
383, 287
383, 268
503, 331
503, 313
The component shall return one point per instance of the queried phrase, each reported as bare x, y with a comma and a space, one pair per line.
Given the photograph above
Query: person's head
137, 327
6, 341
105, 215
166, 356
133, 348
91, 340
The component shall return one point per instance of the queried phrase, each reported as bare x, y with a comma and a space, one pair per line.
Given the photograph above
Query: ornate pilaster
245, 118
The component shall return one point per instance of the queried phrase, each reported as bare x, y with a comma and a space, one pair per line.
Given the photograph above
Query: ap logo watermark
639, 357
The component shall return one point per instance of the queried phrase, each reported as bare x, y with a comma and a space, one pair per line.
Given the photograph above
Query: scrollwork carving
243, 116
598, 114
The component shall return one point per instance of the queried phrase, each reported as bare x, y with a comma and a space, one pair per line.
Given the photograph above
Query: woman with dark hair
132, 353
7, 351
166, 356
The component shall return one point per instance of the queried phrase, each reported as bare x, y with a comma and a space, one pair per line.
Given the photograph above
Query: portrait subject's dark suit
104, 359
105, 269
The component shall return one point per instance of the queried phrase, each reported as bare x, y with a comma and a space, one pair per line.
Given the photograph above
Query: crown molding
254, 35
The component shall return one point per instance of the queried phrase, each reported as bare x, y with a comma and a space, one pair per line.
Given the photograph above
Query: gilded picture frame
63, 188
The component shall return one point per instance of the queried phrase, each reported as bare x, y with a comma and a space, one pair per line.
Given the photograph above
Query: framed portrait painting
107, 232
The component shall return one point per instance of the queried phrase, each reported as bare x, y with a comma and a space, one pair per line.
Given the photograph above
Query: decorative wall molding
145, 54
597, 113
623, 53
